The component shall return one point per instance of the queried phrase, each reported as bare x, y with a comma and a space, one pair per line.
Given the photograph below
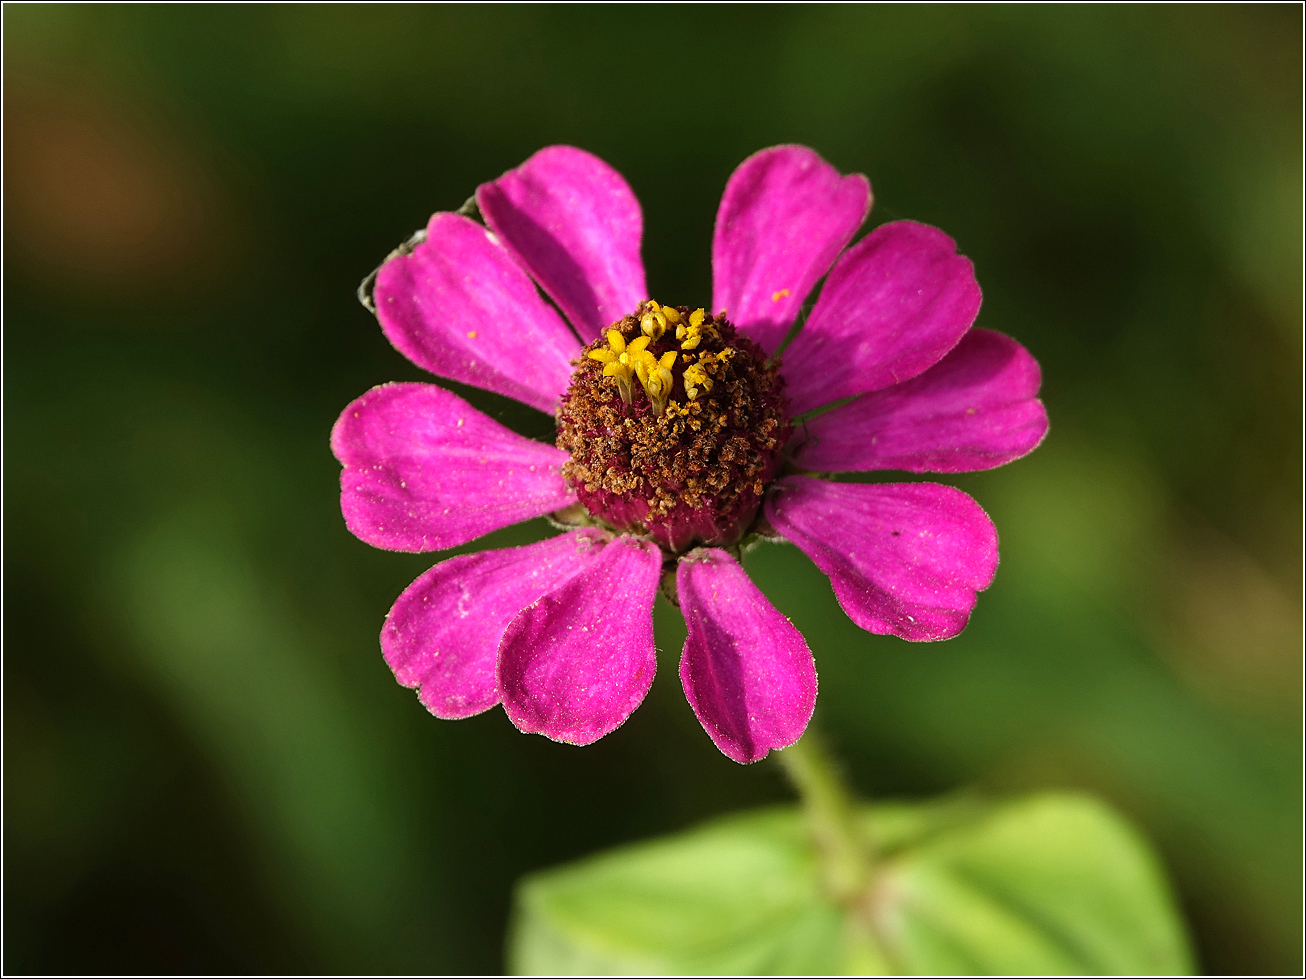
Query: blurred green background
208, 766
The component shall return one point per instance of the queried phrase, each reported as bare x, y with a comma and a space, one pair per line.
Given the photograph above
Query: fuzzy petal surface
975, 409
894, 304
442, 635
575, 225
460, 307
576, 663
746, 669
905, 559
785, 216
424, 470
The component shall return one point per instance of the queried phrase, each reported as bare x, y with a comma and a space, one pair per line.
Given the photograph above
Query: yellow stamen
692, 335
617, 360
695, 378
628, 361
654, 321
658, 380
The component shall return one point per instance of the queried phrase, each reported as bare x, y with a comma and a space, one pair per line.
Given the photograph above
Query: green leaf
738, 896
1054, 883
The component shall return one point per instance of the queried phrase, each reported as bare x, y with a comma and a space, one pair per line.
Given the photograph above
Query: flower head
680, 437
686, 463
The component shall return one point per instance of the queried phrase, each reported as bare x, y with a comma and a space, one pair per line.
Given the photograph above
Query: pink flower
676, 444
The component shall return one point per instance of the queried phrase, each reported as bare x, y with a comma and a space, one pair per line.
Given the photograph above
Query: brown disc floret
674, 425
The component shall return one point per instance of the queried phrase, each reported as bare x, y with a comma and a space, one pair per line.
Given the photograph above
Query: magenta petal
424, 470
784, 217
575, 225
460, 307
905, 559
746, 670
442, 635
894, 304
576, 663
975, 409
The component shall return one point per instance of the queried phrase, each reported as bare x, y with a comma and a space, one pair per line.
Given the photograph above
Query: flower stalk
843, 845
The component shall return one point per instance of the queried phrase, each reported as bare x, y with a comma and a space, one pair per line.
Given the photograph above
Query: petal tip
746, 670
908, 560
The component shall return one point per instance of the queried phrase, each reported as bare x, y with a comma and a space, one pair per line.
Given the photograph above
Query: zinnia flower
681, 439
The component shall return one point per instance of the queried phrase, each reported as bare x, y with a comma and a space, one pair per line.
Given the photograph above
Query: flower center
675, 425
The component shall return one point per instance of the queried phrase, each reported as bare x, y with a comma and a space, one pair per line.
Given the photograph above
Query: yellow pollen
628, 361
696, 379
692, 335
777, 296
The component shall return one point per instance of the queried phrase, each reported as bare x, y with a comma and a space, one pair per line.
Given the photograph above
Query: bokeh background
207, 765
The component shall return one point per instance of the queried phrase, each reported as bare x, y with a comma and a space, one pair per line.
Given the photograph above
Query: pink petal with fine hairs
894, 304
576, 663
905, 559
424, 470
784, 217
975, 409
460, 307
442, 635
574, 224
746, 670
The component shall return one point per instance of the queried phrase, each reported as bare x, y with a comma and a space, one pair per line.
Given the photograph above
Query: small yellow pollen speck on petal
471, 334
777, 296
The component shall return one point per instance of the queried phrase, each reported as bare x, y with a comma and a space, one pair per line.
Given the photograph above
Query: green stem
841, 838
